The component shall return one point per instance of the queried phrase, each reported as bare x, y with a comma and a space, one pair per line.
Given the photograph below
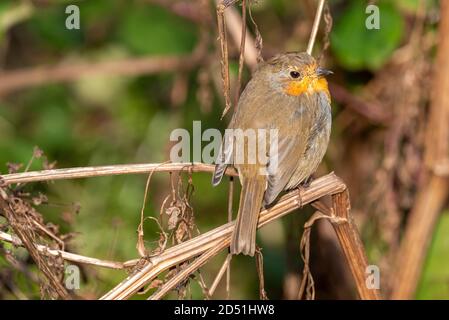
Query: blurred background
61, 90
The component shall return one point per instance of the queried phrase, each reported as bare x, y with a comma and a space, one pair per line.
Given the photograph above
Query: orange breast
307, 86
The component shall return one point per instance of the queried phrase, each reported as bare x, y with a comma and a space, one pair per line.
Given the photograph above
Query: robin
287, 93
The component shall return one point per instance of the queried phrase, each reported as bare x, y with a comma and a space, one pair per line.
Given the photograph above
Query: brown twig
234, 26
89, 172
351, 244
224, 268
371, 111
18, 79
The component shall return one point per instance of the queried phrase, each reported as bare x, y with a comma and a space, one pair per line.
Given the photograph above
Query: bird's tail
244, 235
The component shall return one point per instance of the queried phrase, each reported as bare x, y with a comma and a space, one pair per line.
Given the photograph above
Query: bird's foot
306, 183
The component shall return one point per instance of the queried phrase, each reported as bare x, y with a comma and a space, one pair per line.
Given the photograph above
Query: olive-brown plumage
287, 93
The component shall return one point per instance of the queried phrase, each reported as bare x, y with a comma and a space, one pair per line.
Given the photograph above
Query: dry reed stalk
67, 255
222, 34
98, 171
316, 24
219, 239
351, 245
434, 189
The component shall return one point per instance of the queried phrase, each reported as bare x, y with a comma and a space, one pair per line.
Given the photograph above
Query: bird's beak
321, 72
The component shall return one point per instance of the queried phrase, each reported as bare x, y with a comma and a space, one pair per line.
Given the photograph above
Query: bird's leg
302, 186
306, 183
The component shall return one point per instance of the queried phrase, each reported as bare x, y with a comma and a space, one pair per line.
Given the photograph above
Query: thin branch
316, 24
98, 171
352, 245
18, 79
66, 255
224, 268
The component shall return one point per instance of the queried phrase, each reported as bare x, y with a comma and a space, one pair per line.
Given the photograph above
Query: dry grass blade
259, 268
351, 244
307, 284
185, 273
222, 32
259, 41
64, 254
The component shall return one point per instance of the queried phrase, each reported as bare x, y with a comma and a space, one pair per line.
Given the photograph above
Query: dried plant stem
224, 268
242, 56
185, 273
352, 246
417, 237
316, 24
216, 239
221, 20
17, 224
66, 255
219, 239
434, 188
234, 26
97, 171
260, 275
230, 214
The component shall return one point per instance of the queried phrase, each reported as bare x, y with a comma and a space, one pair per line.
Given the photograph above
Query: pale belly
316, 147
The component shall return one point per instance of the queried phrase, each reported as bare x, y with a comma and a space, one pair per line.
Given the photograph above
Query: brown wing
294, 130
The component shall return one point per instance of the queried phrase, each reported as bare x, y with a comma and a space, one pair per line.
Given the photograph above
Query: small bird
288, 93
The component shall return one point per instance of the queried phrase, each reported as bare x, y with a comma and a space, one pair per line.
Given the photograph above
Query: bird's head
296, 74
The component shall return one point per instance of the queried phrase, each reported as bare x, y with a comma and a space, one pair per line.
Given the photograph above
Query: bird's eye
294, 74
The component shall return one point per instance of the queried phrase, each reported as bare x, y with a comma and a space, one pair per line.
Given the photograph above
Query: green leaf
48, 25
148, 29
357, 47
435, 278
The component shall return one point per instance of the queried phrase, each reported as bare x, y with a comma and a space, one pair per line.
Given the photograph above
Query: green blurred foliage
357, 47
164, 32
435, 280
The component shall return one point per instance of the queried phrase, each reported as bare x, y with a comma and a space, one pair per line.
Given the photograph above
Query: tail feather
244, 235
222, 161
218, 173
